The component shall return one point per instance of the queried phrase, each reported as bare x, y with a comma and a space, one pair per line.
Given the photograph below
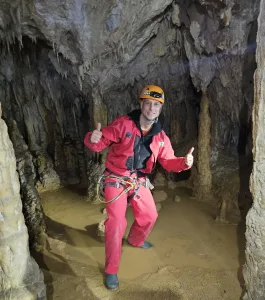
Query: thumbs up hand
189, 158
96, 135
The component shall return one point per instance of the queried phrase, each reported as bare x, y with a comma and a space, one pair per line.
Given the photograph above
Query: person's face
151, 109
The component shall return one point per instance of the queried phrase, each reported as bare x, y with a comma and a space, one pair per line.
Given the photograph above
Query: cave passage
67, 66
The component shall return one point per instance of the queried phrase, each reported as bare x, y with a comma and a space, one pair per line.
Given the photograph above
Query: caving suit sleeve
168, 160
110, 134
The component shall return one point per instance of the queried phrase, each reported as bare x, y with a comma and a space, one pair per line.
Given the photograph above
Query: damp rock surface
28, 282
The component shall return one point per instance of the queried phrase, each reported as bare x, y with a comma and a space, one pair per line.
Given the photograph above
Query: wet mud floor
193, 258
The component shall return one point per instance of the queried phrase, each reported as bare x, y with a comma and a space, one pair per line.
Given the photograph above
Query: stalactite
204, 179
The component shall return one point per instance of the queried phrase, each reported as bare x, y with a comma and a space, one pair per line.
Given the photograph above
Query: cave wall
20, 275
88, 56
255, 243
65, 66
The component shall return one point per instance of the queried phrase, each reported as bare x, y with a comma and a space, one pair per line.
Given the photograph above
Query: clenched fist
96, 135
189, 158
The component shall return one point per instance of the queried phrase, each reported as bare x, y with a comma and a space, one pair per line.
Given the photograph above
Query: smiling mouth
150, 113
150, 118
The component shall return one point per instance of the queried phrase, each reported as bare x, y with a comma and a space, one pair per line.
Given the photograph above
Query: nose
152, 106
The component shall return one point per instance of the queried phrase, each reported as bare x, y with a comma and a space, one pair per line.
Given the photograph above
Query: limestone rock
158, 207
171, 184
254, 274
66, 65
101, 228
160, 196
32, 208
177, 198
20, 275
65, 78
159, 180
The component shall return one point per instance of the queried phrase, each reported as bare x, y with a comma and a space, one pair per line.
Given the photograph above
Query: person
136, 141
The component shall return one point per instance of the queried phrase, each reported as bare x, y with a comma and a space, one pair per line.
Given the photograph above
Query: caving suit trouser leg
145, 215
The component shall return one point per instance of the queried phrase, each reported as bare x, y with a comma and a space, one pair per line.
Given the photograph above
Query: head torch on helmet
153, 92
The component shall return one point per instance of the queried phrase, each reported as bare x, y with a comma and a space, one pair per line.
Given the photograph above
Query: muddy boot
145, 245
112, 281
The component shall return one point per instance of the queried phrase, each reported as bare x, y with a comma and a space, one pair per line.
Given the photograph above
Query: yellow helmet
152, 92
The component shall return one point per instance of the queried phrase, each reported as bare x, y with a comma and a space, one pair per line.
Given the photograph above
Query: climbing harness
127, 182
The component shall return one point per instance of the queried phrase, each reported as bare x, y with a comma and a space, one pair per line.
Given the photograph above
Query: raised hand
189, 158
96, 135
